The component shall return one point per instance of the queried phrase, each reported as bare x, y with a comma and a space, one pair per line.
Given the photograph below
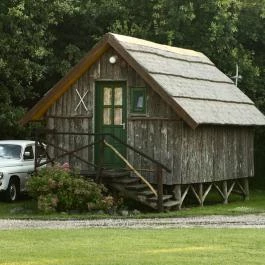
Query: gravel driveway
243, 221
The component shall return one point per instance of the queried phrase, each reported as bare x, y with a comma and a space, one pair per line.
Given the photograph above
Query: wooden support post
159, 189
231, 188
177, 194
195, 193
206, 192
246, 188
201, 194
224, 184
183, 196
101, 160
219, 190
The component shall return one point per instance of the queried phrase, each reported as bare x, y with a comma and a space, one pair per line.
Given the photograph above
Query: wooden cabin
171, 104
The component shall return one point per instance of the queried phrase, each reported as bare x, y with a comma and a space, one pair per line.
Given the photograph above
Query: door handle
123, 126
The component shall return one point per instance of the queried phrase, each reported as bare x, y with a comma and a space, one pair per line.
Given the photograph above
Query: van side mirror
27, 155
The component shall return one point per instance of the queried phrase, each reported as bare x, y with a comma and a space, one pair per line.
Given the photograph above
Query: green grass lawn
27, 209
129, 246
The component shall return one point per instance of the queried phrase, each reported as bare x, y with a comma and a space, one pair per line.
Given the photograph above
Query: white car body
18, 167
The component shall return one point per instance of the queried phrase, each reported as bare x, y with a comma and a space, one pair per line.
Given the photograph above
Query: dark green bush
57, 189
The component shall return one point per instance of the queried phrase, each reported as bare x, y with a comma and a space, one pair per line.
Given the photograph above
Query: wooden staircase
136, 188
133, 188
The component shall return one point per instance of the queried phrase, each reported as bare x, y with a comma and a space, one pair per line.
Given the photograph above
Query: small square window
138, 100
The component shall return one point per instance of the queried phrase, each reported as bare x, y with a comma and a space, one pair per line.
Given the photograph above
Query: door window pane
117, 96
107, 95
107, 116
118, 116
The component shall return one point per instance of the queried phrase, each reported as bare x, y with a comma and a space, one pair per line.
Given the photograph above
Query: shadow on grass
26, 208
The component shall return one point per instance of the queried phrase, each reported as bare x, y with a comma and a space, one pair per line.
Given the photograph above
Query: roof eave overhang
38, 110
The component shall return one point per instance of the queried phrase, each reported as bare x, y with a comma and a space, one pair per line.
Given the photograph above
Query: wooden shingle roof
187, 80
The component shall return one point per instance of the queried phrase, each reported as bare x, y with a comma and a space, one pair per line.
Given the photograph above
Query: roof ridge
152, 44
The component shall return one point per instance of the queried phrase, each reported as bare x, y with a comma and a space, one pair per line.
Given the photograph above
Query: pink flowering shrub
58, 189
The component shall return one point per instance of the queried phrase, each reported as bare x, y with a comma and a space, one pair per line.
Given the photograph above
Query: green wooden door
110, 117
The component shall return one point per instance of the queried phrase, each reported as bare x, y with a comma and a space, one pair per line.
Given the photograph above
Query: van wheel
12, 192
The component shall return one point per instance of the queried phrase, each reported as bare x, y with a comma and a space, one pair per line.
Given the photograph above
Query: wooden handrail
53, 131
131, 167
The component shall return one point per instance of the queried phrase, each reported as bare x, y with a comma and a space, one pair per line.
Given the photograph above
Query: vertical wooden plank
169, 158
163, 148
150, 148
58, 126
177, 152
200, 176
137, 143
232, 161
251, 152
157, 143
185, 178
211, 151
130, 139
92, 88
145, 164
72, 128
84, 121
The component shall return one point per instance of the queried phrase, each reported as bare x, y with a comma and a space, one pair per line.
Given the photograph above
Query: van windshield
10, 151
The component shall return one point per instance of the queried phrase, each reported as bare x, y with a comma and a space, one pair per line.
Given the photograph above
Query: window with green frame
138, 100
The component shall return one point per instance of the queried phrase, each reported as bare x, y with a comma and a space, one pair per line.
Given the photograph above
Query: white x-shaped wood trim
81, 100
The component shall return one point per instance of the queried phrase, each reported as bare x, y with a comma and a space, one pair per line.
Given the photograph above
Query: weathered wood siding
64, 117
209, 153
213, 153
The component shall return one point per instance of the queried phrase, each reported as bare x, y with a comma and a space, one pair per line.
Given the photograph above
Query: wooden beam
246, 187
219, 190
201, 193
206, 192
224, 184
184, 195
196, 194
177, 194
231, 188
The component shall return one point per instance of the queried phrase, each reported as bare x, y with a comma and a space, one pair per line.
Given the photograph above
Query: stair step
171, 203
114, 174
136, 187
125, 180
146, 193
165, 198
